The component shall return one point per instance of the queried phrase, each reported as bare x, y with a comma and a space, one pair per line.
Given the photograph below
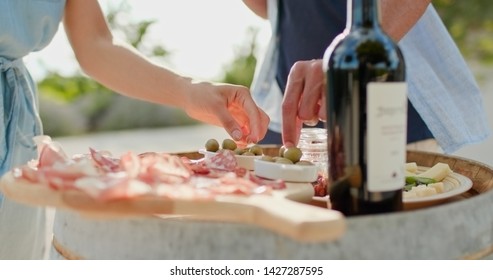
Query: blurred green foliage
241, 70
470, 22
71, 88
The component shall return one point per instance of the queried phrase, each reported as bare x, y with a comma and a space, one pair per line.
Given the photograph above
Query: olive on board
240, 151
267, 158
212, 145
304, 162
256, 150
293, 154
283, 160
281, 151
229, 144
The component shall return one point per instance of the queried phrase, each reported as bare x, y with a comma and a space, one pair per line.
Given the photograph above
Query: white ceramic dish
286, 172
456, 183
243, 161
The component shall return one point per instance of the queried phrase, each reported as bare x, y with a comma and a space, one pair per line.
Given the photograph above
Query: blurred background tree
241, 70
471, 25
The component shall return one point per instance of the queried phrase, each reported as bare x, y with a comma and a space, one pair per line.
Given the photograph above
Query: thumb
230, 125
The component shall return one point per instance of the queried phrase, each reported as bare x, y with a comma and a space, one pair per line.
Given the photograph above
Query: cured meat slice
320, 186
274, 184
105, 177
163, 168
198, 167
61, 175
223, 160
232, 184
105, 161
113, 186
183, 192
49, 152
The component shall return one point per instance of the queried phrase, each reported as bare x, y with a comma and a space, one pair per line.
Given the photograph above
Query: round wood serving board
284, 211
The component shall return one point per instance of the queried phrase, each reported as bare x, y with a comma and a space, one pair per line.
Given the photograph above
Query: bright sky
203, 35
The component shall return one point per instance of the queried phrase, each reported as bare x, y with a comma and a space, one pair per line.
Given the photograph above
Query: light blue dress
25, 26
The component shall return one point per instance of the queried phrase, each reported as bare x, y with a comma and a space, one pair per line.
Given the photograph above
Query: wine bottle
366, 115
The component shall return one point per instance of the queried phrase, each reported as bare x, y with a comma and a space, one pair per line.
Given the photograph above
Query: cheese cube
439, 187
423, 191
409, 194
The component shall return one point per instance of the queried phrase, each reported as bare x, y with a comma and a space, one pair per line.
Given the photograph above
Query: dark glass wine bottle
366, 115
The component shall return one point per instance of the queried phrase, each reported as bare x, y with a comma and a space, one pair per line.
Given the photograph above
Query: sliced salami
223, 160
274, 184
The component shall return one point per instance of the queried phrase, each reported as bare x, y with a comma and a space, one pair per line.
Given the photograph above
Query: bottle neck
363, 14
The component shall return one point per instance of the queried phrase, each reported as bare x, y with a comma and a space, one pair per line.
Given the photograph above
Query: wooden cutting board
285, 212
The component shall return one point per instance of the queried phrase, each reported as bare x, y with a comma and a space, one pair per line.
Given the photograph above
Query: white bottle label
386, 135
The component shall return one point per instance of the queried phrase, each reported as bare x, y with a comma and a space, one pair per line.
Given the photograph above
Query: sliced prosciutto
105, 161
106, 177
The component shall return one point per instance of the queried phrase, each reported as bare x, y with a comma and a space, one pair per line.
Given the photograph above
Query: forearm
115, 65
123, 70
399, 16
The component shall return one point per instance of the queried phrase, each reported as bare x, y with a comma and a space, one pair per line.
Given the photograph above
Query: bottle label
386, 135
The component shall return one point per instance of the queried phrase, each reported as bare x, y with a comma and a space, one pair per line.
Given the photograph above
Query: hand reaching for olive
229, 106
304, 99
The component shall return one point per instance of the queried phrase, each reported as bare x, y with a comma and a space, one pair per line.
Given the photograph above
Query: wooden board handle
299, 221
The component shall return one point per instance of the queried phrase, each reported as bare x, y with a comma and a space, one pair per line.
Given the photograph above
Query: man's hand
304, 99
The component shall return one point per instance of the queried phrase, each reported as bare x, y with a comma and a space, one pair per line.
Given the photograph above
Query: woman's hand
229, 106
122, 69
304, 99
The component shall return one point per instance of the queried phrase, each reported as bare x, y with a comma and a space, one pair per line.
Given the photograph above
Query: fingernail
249, 140
236, 135
311, 123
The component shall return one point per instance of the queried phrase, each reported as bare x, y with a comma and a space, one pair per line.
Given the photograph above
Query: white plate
286, 172
243, 161
457, 184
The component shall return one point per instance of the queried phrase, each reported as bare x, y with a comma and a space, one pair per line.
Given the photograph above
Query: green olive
281, 151
283, 161
267, 158
212, 145
256, 150
293, 154
248, 153
303, 162
229, 144
239, 151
